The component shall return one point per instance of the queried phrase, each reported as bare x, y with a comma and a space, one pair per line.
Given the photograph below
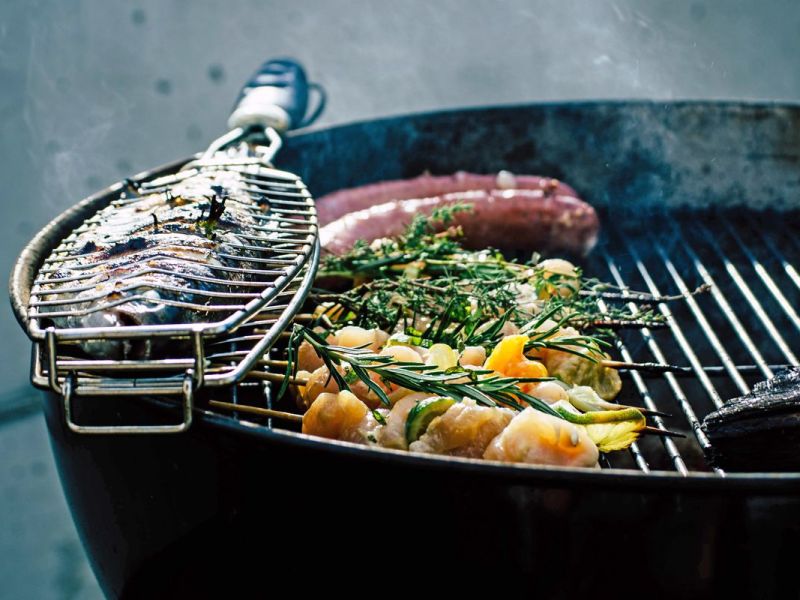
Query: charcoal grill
689, 194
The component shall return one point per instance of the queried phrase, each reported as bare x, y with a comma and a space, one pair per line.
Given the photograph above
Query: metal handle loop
187, 391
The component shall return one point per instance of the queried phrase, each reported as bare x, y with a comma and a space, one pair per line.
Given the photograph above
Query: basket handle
276, 96
68, 391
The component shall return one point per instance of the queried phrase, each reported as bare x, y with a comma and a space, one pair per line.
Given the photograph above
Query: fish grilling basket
690, 194
184, 280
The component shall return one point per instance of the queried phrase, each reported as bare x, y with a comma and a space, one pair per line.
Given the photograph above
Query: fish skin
759, 431
129, 241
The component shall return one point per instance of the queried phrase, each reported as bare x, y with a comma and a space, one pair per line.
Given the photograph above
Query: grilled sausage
505, 219
337, 204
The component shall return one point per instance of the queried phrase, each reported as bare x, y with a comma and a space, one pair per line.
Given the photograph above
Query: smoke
70, 108
113, 88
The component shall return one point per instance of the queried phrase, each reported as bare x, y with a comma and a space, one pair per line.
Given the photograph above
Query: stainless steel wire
641, 387
683, 253
754, 303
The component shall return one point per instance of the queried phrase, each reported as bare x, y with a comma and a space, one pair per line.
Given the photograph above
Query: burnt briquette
760, 430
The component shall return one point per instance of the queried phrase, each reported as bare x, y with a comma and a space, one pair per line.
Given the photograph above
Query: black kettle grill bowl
229, 506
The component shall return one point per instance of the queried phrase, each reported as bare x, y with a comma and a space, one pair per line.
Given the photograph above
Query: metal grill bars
729, 337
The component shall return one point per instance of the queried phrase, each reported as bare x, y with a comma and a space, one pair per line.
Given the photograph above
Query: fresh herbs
216, 208
390, 258
544, 333
483, 386
445, 309
425, 285
426, 291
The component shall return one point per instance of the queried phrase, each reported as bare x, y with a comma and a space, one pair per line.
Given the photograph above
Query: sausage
514, 219
337, 204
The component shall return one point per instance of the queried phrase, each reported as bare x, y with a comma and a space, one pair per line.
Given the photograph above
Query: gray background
92, 91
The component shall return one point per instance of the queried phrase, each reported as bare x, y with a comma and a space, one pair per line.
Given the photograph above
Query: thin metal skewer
627, 366
277, 377
646, 411
621, 324
303, 381
264, 412
662, 432
643, 296
667, 368
287, 416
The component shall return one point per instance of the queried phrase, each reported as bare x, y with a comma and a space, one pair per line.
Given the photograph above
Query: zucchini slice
423, 413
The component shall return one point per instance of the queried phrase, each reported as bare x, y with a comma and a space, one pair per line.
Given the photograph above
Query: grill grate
731, 337
239, 361
181, 279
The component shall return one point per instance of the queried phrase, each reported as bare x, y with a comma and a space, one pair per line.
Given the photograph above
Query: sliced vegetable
558, 277
442, 356
404, 339
509, 351
508, 358
600, 416
586, 399
583, 371
423, 413
615, 436
609, 429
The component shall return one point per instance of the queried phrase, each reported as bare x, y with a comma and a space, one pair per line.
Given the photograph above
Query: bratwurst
535, 219
342, 202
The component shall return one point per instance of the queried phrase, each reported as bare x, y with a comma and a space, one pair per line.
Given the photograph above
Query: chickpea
562, 277
402, 354
334, 415
473, 355
549, 391
357, 337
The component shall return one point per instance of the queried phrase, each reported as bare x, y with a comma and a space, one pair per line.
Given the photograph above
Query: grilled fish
760, 430
170, 257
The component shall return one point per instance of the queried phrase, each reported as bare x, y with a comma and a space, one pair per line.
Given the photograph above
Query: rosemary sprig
456, 293
456, 383
602, 289
541, 338
439, 252
483, 386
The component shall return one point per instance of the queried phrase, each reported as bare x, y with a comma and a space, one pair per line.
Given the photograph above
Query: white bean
549, 391
473, 355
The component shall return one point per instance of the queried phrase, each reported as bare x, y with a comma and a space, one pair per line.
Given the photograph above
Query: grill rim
774, 482
424, 121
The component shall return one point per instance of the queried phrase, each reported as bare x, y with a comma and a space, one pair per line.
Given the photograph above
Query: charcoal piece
759, 431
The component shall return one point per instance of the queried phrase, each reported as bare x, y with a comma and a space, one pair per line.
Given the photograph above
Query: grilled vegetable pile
432, 348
